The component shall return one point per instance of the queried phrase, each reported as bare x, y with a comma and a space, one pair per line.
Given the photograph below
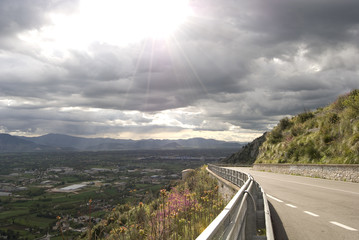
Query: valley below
80, 188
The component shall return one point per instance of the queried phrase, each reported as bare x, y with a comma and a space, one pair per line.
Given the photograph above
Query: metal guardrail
245, 214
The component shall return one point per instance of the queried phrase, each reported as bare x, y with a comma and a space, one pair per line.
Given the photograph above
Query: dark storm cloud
16, 16
234, 64
78, 121
161, 78
282, 20
104, 63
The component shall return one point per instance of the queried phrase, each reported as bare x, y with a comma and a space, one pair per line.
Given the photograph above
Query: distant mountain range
60, 142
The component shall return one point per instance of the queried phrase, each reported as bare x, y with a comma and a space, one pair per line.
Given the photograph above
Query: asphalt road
310, 208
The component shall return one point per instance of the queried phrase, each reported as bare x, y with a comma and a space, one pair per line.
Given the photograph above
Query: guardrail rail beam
245, 214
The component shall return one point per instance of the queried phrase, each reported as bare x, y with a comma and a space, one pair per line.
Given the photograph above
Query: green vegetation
29, 184
180, 213
329, 135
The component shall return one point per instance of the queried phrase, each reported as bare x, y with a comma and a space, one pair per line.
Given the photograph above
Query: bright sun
117, 22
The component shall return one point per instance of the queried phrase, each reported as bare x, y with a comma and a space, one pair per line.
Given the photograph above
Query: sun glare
117, 22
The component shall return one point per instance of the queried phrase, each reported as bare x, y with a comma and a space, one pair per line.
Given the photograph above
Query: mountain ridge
9, 143
62, 142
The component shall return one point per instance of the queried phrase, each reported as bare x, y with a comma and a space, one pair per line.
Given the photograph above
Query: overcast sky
222, 69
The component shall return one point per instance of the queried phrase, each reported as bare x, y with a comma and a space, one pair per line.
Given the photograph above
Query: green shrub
282, 160
346, 127
311, 151
285, 123
339, 103
303, 117
352, 100
275, 136
312, 123
325, 128
355, 139
350, 113
355, 148
333, 118
349, 102
292, 149
296, 131
327, 138
296, 156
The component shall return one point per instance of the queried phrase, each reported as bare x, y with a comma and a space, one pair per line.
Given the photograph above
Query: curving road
310, 208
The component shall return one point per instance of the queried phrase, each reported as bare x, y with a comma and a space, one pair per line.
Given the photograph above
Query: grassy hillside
329, 135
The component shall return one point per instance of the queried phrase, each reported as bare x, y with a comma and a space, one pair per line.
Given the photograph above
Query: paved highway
310, 208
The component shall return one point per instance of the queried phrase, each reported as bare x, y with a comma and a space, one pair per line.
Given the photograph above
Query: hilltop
328, 135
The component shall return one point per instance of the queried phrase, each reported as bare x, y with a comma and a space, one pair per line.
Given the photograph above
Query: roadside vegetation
182, 212
329, 135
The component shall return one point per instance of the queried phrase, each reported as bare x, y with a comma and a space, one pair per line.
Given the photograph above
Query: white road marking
311, 185
344, 226
278, 200
290, 205
312, 214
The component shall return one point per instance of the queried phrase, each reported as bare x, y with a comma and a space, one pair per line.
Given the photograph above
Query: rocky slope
247, 154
